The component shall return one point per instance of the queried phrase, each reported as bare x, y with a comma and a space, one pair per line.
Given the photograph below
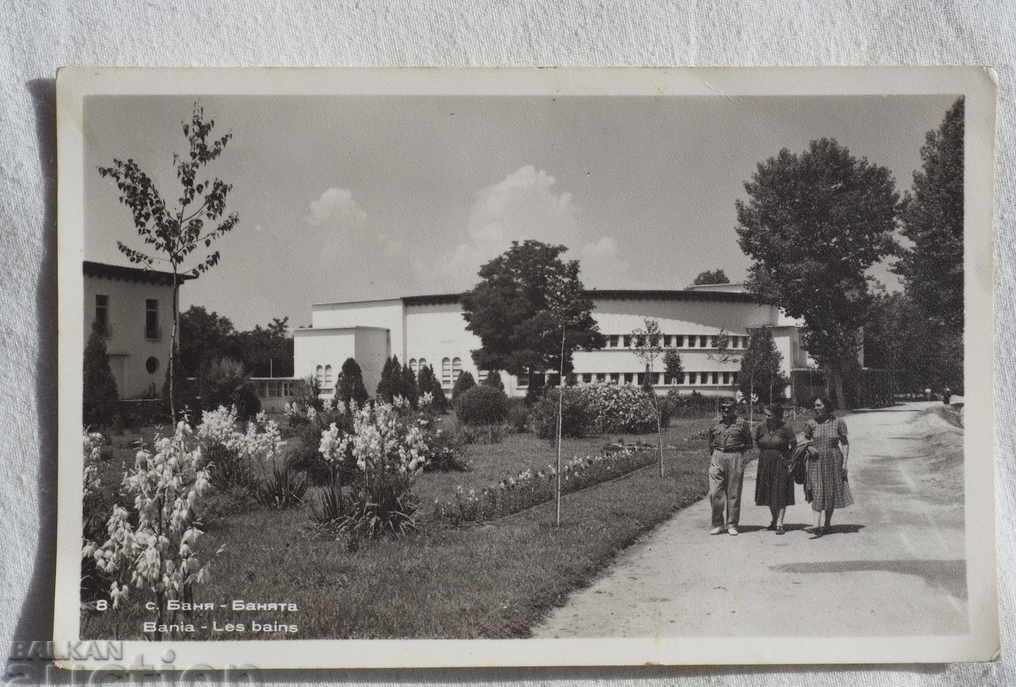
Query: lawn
492, 580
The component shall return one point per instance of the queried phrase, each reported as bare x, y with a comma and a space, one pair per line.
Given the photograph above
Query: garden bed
492, 580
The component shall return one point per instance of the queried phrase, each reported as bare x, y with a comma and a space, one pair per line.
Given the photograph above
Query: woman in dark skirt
827, 470
774, 483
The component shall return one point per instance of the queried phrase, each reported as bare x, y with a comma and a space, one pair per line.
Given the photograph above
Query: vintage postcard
509, 367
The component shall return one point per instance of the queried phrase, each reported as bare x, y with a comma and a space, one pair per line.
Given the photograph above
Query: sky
360, 197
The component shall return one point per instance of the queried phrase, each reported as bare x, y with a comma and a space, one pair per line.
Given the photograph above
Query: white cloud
336, 205
527, 205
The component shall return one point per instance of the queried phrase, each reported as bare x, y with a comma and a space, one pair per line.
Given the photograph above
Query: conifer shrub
464, 383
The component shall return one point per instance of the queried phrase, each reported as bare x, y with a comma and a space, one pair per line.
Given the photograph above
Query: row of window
657, 378
279, 389
681, 341
152, 330
449, 370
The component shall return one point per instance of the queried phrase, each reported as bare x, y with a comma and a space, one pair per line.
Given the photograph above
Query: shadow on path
948, 576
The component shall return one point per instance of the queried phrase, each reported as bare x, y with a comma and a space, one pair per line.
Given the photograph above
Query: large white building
430, 330
134, 309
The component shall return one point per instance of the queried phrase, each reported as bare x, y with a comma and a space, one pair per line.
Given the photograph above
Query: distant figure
827, 471
728, 441
946, 395
927, 393
774, 485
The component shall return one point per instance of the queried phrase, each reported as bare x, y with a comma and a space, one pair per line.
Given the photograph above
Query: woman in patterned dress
774, 484
827, 469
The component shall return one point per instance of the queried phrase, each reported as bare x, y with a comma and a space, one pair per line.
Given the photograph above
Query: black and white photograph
561, 367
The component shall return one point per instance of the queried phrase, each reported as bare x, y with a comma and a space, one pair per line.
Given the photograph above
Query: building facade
430, 331
134, 309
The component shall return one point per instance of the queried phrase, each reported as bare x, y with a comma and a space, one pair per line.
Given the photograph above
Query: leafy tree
349, 386
464, 383
932, 218
428, 382
204, 336
672, 366
717, 276
760, 367
813, 224
266, 351
99, 383
515, 313
408, 387
647, 346
173, 233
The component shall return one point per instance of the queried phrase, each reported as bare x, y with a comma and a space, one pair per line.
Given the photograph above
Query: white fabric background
39, 37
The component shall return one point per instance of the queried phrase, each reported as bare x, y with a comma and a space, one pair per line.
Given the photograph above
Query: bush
280, 486
577, 416
427, 382
494, 379
518, 415
464, 383
481, 405
225, 383
621, 408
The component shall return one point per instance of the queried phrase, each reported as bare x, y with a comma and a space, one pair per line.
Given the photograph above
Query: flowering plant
156, 556
530, 488
388, 444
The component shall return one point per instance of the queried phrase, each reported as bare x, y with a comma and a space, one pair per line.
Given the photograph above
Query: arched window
456, 369
446, 372
423, 363
328, 377
413, 365
319, 374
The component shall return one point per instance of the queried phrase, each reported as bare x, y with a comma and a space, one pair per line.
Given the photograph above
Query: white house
134, 308
430, 330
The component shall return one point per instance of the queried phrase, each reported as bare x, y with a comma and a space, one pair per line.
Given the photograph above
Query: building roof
107, 271
617, 295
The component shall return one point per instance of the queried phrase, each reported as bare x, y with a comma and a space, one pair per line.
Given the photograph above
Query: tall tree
98, 382
349, 386
173, 233
410, 390
760, 367
647, 346
513, 312
813, 224
390, 384
673, 367
932, 218
717, 276
204, 336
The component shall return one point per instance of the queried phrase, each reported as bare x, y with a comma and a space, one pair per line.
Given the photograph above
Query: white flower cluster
260, 443
156, 555
620, 408
382, 441
92, 445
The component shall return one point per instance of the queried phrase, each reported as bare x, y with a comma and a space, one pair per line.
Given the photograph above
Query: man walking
728, 441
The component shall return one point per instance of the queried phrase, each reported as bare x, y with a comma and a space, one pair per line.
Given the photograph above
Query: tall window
423, 363
102, 313
152, 319
615, 340
328, 377
679, 343
319, 375
456, 369
413, 365
627, 342
691, 377
446, 372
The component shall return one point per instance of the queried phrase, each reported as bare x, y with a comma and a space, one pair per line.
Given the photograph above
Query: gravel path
893, 565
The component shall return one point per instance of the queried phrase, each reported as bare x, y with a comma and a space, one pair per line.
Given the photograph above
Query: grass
493, 580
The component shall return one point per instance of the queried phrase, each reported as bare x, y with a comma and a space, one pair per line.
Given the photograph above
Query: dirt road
893, 563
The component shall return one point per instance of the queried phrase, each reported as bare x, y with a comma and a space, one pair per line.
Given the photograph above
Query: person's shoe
780, 530
772, 525
732, 531
716, 530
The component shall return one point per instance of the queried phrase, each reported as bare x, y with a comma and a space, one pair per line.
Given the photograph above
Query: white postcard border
978, 86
